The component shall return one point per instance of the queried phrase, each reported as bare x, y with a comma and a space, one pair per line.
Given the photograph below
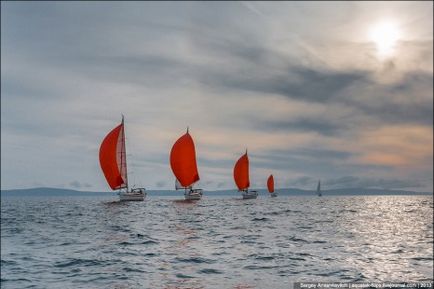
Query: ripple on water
261, 257
422, 258
184, 276
319, 242
197, 260
297, 240
261, 267
8, 262
128, 269
264, 219
80, 262
130, 243
214, 243
210, 271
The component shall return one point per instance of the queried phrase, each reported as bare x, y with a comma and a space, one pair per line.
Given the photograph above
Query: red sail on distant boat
241, 173
184, 167
242, 179
112, 158
183, 161
270, 184
113, 161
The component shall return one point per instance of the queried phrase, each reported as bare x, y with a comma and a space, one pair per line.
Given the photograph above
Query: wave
197, 260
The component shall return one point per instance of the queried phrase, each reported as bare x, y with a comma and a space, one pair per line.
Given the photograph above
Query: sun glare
384, 35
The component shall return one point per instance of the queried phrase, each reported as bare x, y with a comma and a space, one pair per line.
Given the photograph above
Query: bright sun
384, 35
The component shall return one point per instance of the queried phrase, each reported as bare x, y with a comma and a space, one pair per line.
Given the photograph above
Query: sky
337, 91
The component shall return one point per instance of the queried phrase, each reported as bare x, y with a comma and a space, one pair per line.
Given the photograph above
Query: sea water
217, 242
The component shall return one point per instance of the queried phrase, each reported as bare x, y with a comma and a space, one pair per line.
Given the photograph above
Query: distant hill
284, 192
343, 192
51, 192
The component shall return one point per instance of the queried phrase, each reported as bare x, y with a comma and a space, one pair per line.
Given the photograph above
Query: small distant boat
241, 177
270, 186
184, 167
113, 161
318, 189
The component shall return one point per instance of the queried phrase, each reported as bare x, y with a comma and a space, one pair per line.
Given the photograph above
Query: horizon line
219, 190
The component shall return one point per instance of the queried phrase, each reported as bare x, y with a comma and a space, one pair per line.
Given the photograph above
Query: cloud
78, 185
221, 185
306, 102
307, 124
299, 158
249, 5
161, 184
303, 181
408, 100
347, 181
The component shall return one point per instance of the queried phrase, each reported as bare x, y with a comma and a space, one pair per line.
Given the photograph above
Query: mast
112, 158
185, 188
247, 188
124, 153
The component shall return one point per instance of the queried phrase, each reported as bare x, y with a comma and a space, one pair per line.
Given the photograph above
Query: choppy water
214, 243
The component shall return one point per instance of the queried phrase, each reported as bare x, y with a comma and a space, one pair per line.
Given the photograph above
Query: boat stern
137, 194
193, 195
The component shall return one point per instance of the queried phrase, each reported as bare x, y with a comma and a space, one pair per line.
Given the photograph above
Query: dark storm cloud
300, 83
304, 124
257, 69
408, 101
247, 63
335, 87
368, 104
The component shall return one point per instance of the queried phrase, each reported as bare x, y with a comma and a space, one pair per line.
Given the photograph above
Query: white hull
250, 195
273, 195
133, 195
193, 195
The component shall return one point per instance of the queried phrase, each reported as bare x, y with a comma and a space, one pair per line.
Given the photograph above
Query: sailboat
113, 161
241, 177
318, 189
184, 167
270, 186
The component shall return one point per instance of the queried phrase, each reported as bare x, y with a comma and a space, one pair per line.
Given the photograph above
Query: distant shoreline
156, 193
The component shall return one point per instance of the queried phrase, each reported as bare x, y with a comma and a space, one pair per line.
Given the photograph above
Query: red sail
241, 172
183, 161
270, 184
112, 158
